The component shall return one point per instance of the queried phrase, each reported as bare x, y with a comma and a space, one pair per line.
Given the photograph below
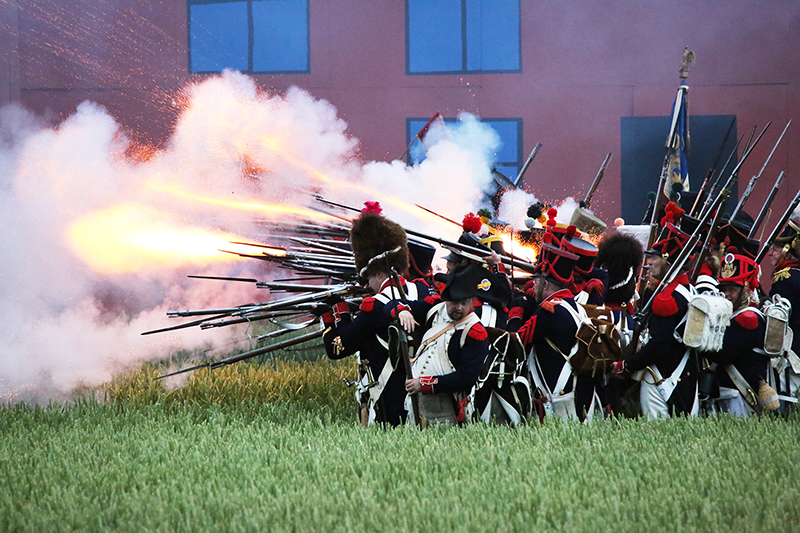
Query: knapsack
708, 317
598, 342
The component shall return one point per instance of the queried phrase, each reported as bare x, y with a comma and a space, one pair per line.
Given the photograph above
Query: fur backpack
708, 317
598, 342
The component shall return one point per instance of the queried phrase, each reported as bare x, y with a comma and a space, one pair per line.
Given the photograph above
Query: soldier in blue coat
667, 368
452, 349
379, 245
549, 335
741, 364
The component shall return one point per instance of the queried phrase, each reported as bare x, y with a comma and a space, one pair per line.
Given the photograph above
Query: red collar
787, 263
388, 282
560, 295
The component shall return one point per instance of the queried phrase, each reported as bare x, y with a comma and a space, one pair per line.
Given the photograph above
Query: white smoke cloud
514, 207
66, 323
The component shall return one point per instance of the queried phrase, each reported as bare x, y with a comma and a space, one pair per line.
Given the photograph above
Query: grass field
223, 453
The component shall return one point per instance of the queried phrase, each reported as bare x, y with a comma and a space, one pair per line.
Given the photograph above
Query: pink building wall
584, 66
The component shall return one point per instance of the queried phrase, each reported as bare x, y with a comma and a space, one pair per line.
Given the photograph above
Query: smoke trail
235, 154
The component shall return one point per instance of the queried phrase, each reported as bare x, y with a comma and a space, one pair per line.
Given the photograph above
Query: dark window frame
250, 38
464, 69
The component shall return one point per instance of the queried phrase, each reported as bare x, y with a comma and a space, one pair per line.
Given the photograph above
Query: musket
596, 183
748, 150
527, 164
475, 253
247, 355
765, 207
434, 213
755, 178
420, 134
775, 232
713, 191
322, 246
225, 278
712, 170
525, 265
399, 345
712, 229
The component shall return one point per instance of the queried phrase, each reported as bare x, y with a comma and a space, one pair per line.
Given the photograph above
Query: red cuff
499, 268
427, 383
328, 319
400, 307
341, 308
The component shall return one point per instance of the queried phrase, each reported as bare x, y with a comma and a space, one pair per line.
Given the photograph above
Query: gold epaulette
781, 275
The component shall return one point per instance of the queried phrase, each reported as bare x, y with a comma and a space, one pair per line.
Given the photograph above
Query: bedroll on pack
778, 336
599, 342
708, 317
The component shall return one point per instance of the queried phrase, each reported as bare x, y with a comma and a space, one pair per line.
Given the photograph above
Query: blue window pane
434, 36
508, 131
280, 35
218, 36
493, 35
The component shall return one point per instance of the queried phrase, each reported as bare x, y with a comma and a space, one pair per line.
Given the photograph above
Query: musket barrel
764, 208
527, 163
597, 179
782, 222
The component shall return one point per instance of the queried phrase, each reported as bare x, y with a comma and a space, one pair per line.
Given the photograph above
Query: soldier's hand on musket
318, 309
493, 259
413, 386
407, 320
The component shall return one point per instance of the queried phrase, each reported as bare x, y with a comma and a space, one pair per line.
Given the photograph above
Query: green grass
276, 448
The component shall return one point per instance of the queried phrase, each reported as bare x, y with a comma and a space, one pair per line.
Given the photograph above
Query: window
458, 36
249, 35
507, 156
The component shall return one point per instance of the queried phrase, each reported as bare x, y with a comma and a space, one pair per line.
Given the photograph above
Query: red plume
571, 229
372, 207
471, 223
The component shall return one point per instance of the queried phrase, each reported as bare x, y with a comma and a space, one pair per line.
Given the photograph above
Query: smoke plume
99, 234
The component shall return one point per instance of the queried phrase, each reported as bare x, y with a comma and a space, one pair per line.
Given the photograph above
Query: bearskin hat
621, 256
373, 235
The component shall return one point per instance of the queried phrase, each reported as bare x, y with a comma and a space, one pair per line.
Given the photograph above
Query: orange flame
268, 209
133, 237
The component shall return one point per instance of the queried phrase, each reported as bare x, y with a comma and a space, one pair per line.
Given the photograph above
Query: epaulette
516, 312
549, 306
747, 319
664, 303
421, 280
781, 275
478, 332
368, 304
433, 299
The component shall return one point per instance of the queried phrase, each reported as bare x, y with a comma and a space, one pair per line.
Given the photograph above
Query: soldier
741, 368
453, 348
379, 245
786, 276
669, 369
550, 336
494, 291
